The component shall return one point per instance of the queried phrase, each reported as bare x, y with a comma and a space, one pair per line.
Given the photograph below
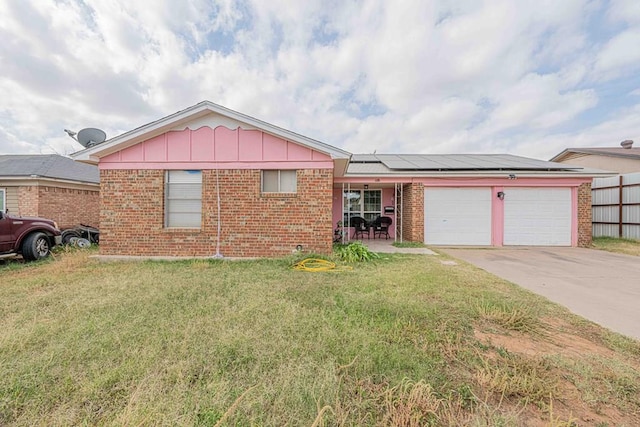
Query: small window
3, 200
183, 199
279, 181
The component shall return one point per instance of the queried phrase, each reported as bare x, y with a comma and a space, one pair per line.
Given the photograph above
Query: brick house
50, 186
208, 180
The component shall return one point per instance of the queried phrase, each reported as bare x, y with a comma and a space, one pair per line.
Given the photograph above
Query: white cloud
620, 55
414, 76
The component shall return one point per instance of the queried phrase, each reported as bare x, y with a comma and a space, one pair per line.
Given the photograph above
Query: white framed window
279, 181
3, 200
183, 199
364, 203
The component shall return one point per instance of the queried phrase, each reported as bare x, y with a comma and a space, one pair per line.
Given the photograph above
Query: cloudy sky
410, 76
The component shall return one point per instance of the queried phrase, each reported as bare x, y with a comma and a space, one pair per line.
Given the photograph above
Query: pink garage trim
574, 216
497, 217
217, 165
206, 145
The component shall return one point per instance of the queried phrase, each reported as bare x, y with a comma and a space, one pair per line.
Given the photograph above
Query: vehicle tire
83, 243
68, 234
35, 247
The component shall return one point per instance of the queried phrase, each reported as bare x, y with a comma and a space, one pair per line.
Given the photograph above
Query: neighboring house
208, 180
50, 186
624, 159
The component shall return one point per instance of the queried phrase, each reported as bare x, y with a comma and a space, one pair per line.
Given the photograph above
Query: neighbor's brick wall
413, 212
252, 224
584, 216
27, 201
68, 207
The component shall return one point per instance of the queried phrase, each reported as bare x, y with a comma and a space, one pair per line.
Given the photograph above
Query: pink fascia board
262, 165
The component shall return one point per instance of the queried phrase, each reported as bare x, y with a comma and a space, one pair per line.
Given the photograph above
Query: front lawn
405, 340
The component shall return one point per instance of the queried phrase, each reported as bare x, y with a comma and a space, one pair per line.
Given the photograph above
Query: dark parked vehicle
32, 238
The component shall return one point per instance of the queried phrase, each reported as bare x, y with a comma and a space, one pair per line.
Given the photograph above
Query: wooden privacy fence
615, 204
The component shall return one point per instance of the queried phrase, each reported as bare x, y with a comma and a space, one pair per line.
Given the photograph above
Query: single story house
208, 180
623, 159
50, 186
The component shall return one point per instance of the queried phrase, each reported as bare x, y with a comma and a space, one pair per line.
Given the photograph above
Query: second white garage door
537, 216
457, 216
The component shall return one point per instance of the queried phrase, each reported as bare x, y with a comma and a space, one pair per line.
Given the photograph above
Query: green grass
409, 245
623, 246
391, 342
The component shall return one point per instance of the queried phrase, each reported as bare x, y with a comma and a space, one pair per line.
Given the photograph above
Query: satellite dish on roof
89, 137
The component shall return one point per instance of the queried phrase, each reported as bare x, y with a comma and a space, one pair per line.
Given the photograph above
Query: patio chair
381, 226
360, 227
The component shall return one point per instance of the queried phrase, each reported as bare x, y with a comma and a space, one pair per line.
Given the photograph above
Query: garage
537, 216
457, 216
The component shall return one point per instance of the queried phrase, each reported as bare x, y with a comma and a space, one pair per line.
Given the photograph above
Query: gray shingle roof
47, 166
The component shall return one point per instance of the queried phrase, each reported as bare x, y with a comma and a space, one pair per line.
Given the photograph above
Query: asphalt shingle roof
47, 166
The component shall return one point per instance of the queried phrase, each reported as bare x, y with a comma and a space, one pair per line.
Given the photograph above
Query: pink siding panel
202, 146
179, 146
298, 152
316, 155
250, 145
134, 153
155, 149
111, 158
274, 148
226, 144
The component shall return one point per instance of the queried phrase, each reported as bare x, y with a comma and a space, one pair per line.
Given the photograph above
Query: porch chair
360, 227
381, 226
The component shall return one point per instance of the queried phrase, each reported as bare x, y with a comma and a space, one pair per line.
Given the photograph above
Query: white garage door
457, 216
537, 216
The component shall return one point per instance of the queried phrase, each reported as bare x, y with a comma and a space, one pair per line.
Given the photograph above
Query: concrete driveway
600, 286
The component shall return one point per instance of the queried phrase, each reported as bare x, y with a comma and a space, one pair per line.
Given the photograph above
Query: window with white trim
3, 200
279, 181
183, 199
364, 203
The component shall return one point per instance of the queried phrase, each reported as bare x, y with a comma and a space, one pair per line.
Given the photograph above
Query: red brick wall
252, 224
413, 212
68, 207
27, 201
584, 216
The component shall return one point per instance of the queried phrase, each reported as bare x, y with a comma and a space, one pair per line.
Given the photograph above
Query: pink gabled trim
206, 145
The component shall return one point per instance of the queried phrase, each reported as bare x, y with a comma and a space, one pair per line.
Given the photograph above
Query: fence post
620, 210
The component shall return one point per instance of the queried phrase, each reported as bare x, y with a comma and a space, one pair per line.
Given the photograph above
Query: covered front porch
369, 211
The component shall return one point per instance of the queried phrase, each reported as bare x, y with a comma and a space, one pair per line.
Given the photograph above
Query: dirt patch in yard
576, 363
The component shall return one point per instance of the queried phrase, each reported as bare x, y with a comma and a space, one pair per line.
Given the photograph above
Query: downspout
218, 255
